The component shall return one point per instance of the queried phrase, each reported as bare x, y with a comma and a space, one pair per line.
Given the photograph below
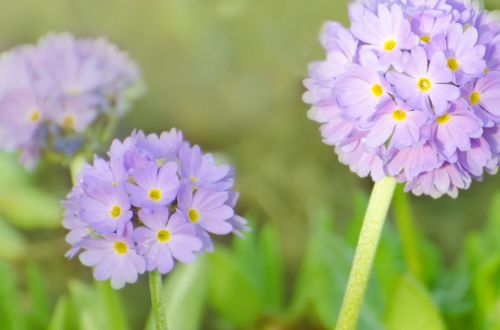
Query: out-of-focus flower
410, 90
52, 92
138, 211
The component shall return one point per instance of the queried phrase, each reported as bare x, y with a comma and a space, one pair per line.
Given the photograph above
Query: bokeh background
229, 74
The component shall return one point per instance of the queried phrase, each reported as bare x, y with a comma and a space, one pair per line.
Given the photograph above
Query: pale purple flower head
52, 92
411, 90
140, 211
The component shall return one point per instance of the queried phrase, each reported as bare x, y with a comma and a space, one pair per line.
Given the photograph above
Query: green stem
369, 237
407, 232
157, 301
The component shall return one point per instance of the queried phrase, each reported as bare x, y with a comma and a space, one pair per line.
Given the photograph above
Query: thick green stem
407, 232
369, 238
159, 311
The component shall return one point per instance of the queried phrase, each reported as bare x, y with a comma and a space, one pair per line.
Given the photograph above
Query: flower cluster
156, 200
411, 90
52, 91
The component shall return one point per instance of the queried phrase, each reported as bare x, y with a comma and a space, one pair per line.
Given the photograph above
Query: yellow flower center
475, 97
155, 194
193, 215
377, 90
35, 115
73, 90
115, 211
443, 119
390, 45
163, 235
453, 64
121, 247
425, 39
193, 179
399, 115
69, 122
424, 84
486, 70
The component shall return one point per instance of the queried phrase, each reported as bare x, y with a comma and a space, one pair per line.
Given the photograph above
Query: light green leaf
323, 278
28, 207
272, 272
231, 286
412, 308
185, 293
64, 315
11, 315
98, 307
354, 227
13, 174
40, 313
12, 243
111, 305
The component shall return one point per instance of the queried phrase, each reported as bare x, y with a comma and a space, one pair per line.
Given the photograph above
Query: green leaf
323, 278
412, 308
12, 243
64, 316
11, 314
28, 207
388, 264
13, 174
272, 272
354, 227
112, 307
40, 313
233, 292
185, 294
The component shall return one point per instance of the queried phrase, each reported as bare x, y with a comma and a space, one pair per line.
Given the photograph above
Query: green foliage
11, 314
412, 308
95, 307
12, 243
40, 305
252, 273
21, 203
185, 295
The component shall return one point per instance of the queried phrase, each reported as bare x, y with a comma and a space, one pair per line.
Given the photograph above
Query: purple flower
463, 53
395, 121
484, 97
153, 186
410, 90
360, 91
21, 115
105, 208
446, 179
163, 239
113, 257
132, 194
207, 211
385, 31
455, 129
62, 86
164, 148
202, 171
425, 83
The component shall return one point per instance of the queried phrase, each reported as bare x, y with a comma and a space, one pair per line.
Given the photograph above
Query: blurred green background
229, 74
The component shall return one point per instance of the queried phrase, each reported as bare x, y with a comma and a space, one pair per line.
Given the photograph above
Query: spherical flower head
410, 90
138, 211
63, 85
